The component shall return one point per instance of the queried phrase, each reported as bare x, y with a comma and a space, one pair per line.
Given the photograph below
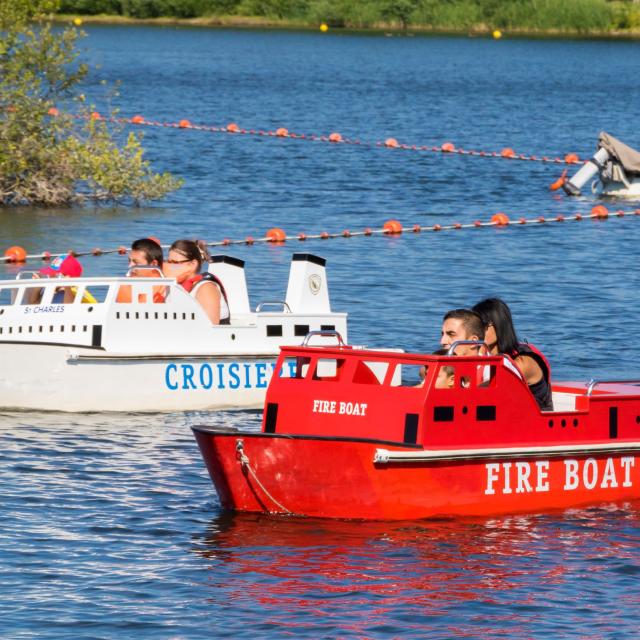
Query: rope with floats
276, 235
507, 153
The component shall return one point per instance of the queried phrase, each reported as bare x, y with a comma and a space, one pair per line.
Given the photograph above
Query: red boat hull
339, 478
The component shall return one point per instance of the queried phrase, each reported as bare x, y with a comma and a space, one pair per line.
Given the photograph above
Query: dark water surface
111, 527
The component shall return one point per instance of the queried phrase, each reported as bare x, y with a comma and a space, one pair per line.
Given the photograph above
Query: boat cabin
436, 401
146, 313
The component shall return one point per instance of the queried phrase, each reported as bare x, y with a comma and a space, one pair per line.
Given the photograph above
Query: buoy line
276, 235
506, 153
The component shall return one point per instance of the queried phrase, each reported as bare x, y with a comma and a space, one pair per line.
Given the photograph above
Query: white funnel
308, 290
230, 271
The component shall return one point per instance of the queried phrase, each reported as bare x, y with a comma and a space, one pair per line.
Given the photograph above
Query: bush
51, 158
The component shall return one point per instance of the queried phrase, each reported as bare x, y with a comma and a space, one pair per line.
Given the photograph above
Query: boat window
370, 372
32, 295
294, 367
413, 375
95, 293
328, 369
7, 297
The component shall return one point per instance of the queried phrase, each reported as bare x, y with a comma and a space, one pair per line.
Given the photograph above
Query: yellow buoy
77, 21
497, 34
324, 27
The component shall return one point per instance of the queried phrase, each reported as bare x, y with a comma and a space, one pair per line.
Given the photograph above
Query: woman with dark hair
500, 336
184, 261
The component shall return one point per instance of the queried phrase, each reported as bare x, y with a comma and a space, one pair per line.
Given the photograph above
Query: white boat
617, 167
92, 352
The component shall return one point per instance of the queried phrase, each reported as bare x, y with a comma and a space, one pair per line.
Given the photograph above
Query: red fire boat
381, 435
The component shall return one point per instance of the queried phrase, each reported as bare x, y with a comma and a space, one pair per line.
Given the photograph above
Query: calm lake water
111, 527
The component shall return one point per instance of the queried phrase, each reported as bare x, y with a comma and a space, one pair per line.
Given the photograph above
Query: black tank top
541, 390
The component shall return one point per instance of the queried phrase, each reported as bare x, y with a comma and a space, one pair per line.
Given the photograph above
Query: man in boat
462, 324
146, 253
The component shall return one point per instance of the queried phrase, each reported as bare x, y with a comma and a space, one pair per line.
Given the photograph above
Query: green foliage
50, 159
273, 8
567, 15
399, 11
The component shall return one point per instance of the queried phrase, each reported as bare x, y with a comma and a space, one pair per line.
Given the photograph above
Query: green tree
56, 158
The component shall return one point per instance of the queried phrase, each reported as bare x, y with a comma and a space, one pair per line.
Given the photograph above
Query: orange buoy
416, 228
97, 251
53, 112
457, 225
578, 216
46, 255
620, 213
392, 227
391, 143
508, 152
154, 239
522, 221
600, 211
500, 219
282, 132
448, 147
541, 219
437, 227
95, 115
324, 235
477, 223
559, 218
249, 240
232, 127
137, 120
346, 233
122, 250
302, 237
367, 231
15, 254
554, 186
572, 158
335, 137
184, 124
276, 235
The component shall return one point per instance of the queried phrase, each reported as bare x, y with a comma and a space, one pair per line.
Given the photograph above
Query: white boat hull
620, 189
86, 382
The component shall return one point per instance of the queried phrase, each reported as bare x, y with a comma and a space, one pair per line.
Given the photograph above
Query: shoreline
263, 23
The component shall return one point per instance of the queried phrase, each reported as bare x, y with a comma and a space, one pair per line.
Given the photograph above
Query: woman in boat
500, 337
184, 261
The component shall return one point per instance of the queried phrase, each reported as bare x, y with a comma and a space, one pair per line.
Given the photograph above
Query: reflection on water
512, 573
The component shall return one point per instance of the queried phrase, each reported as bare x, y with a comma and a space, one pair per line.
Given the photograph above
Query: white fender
230, 271
308, 290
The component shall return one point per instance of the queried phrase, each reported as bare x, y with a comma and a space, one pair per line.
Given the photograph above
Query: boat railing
149, 269
22, 275
457, 343
285, 306
327, 333
593, 383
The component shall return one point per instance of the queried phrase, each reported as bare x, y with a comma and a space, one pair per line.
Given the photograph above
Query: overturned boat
614, 170
350, 433
145, 344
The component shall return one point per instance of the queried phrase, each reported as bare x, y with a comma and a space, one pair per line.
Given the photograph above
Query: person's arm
208, 295
531, 370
